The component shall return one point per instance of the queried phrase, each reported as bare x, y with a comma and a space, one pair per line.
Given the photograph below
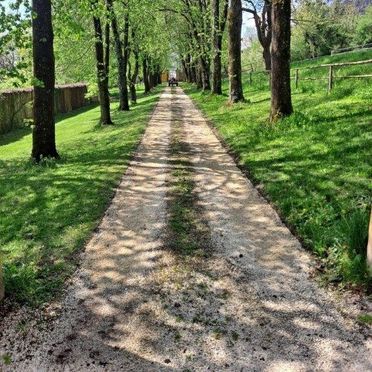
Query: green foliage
15, 44
314, 166
363, 34
365, 319
46, 211
320, 27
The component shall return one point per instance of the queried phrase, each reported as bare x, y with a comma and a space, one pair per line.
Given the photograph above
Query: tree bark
107, 48
122, 62
217, 30
266, 53
205, 74
43, 136
125, 106
134, 76
235, 20
281, 101
145, 75
102, 77
263, 28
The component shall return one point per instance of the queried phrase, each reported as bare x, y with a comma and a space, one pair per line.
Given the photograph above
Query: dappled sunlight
245, 303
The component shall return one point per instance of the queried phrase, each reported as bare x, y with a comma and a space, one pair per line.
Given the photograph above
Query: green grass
365, 319
187, 232
48, 211
315, 166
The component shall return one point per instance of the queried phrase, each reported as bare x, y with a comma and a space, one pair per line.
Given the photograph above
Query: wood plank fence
16, 105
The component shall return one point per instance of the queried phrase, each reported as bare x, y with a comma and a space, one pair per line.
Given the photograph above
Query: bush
364, 28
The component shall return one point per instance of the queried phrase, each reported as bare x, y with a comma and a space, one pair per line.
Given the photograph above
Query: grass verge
188, 233
48, 212
314, 166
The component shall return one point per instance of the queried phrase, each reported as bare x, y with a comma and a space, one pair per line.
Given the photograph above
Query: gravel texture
134, 305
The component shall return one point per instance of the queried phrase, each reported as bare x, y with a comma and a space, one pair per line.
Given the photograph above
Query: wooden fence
331, 73
16, 105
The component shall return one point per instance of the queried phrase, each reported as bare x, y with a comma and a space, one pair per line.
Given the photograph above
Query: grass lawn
315, 166
48, 211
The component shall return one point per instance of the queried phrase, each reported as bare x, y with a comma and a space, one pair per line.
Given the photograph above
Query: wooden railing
331, 73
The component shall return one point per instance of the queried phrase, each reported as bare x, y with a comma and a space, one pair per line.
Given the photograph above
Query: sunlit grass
47, 212
315, 166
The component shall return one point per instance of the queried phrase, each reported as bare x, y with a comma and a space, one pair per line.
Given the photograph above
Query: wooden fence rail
331, 73
16, 104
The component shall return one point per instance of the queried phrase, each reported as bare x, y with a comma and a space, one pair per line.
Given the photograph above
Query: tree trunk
218, 29
235, 20
266, 53
102, 77
43, 136
125, 106
193, 73
134, 76
205, 74
217, 45
122, 62
281, 101
107, 48
145, 75
199, 77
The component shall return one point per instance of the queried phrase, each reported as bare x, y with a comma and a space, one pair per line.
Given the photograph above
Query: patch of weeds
365, 319
179, 318
187, 231
7, 359
218, 333
235, 336
177, 336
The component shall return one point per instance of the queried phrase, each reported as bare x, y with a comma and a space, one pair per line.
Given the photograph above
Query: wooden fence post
296, 78
250, 77
330, 78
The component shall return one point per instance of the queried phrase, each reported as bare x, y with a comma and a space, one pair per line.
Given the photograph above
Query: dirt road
247, 304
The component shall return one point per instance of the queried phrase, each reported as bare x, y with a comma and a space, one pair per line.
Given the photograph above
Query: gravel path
134, 305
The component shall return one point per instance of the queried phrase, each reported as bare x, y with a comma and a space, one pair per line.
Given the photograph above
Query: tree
219, 23
121, 55
43, 136
102, 75
363, 33
281, 101
235, 20
263, 26
133, 75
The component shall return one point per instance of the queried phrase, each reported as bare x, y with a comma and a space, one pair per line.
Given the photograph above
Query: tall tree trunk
205, 74
217, 45
281, 101
217, 30
122, 65
125, 62
102, 77
134, 76
199, 77
266, 53
107, 48
146, 75
193, 72
43, 136
235, 20
263, 28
